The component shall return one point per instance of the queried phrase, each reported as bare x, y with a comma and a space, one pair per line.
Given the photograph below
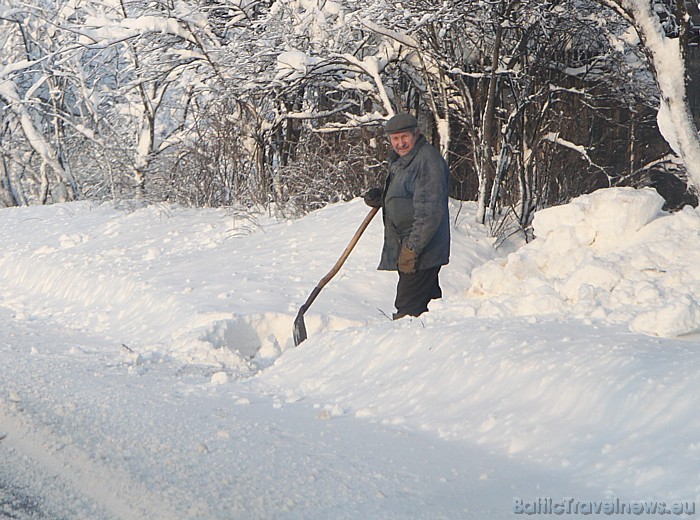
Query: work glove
373, 198
407, 260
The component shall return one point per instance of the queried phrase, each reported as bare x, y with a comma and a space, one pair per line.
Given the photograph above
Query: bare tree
224, 101
28, 90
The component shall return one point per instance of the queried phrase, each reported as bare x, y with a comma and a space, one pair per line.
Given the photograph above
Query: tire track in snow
71, 473
15, 504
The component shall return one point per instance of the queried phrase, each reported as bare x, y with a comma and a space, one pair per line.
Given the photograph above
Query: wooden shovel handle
348, 249
299, 325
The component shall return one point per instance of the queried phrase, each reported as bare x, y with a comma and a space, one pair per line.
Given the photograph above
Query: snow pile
608, 407
157, 279
612, 256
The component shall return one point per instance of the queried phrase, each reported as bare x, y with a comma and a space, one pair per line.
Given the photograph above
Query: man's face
403, 142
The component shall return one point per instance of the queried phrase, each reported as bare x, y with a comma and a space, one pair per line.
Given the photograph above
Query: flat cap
400, 123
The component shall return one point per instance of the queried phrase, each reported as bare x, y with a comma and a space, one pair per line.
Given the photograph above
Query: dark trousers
414, 291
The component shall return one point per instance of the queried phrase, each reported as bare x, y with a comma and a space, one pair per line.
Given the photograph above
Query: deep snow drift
560, 356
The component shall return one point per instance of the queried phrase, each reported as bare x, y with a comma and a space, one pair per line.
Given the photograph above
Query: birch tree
666, 52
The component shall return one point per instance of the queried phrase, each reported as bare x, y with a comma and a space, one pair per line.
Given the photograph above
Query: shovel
299, 326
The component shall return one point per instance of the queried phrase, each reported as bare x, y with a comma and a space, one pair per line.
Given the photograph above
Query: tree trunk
486, 169
7, 194
667, 59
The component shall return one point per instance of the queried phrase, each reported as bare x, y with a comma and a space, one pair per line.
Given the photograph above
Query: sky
149, 368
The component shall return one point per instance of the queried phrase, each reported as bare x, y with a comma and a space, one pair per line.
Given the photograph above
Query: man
414, 204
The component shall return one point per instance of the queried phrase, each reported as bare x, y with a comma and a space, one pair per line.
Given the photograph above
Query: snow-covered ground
149, 369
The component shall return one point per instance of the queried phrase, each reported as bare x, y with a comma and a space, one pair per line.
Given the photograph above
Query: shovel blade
299, 330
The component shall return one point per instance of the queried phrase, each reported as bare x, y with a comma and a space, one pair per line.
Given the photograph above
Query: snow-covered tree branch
266, 101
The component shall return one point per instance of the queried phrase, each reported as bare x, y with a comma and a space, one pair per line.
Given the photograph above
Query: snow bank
612, 256
612, 408
203, 286
156, 279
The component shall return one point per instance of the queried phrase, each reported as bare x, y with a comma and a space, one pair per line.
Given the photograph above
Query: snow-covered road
72, 447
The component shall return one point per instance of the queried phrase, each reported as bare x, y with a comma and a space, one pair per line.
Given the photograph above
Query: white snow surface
149, 369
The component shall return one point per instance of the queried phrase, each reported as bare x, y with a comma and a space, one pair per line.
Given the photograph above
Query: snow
149, 369
613, 256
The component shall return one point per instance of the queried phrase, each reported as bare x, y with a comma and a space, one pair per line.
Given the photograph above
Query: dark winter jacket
415, 207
